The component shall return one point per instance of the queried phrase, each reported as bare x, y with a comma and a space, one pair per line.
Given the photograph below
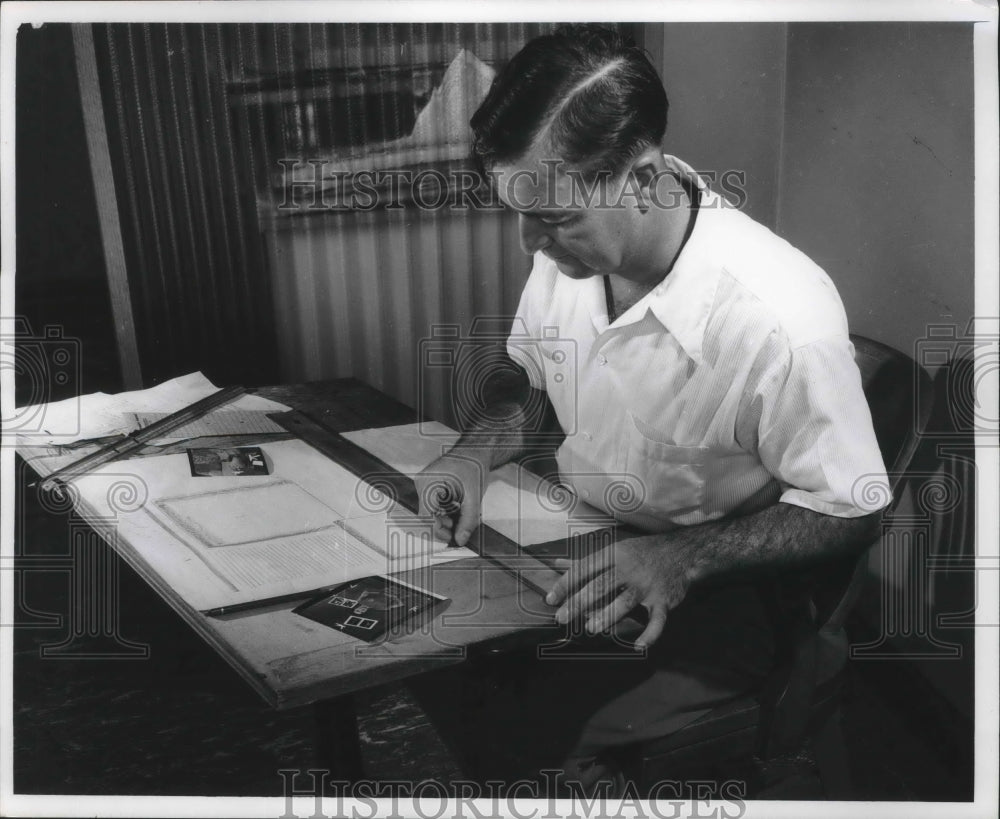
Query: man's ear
646, 169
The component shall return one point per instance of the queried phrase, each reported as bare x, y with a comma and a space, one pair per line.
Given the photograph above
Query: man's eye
558, 220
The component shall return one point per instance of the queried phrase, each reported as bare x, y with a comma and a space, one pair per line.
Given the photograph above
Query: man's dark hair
591, 92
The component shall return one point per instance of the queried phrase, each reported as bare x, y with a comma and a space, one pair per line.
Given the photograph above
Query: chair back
809, 608
900, 395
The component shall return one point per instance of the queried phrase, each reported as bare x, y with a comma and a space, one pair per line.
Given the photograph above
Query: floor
180, 721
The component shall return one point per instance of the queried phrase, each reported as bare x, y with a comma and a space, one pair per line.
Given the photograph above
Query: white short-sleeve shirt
730, 385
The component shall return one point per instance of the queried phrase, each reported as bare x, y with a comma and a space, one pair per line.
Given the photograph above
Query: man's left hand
652, 570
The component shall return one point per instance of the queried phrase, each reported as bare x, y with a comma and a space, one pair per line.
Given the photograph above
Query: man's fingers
612, 613
468, 519
558, 591
447, 499
577, 571
657, 620
593, 594
560, 588
429, 508
443, 528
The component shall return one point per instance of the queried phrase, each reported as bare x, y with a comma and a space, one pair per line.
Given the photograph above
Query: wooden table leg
338, 746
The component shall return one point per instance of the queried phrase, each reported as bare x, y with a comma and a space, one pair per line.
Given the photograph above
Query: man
713, 379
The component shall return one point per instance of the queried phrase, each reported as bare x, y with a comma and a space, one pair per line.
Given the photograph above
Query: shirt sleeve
816, 435
526, 328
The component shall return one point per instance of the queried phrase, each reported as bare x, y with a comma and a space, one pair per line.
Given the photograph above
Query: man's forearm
511, 416
515, 420
657, 570
497, 442
780, 536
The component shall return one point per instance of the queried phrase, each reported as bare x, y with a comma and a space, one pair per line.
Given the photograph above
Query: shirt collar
683, 301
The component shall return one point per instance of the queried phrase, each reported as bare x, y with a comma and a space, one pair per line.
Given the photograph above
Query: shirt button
602, 360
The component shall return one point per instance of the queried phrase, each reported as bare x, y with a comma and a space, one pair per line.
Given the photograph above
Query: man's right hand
451, 490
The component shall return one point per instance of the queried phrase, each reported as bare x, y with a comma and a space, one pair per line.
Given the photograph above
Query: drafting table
290, 662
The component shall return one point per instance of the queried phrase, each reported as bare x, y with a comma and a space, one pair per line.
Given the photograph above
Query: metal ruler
128, 444
488, 543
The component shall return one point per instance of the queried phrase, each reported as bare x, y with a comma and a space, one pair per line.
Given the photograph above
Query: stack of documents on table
99, 414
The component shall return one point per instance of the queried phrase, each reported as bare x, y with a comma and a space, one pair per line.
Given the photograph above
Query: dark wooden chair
786, 741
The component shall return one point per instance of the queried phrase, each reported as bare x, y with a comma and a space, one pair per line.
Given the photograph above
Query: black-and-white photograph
652, 350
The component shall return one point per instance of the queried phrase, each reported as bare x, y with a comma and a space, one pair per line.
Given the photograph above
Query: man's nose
532, 234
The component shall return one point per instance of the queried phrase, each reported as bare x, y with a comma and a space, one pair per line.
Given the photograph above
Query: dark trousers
509, 716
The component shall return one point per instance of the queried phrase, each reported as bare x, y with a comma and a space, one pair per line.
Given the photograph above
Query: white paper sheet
100, 414
408, 447
517, 503
251, 512
404, 540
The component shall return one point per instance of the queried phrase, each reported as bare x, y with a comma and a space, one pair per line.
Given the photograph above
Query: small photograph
225, 462
373, 608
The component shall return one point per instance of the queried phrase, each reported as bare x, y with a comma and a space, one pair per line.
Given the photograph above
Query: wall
725, 84
876, 181
356, 293
877, 170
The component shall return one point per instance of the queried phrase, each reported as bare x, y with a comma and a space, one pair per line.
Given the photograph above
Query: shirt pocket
670, 478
